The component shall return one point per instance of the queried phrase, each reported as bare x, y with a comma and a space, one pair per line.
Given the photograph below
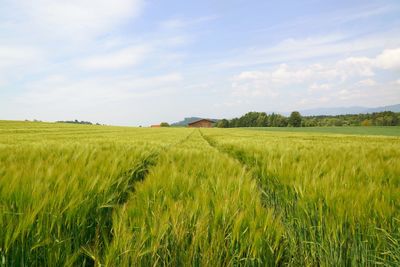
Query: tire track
201, 208
103, 230
269, 188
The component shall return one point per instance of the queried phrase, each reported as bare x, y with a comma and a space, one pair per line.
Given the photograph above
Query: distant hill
348, 110
188, 120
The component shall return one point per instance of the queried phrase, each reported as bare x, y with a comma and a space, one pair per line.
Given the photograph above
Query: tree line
78, 122
262, 119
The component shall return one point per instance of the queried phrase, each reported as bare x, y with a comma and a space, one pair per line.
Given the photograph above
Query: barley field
348, 130
79, 195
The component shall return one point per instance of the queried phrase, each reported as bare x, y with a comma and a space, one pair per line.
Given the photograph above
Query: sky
140, 62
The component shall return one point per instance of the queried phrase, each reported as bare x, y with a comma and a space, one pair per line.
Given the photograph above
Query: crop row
115, 196
337, 196
197, 207
60, 186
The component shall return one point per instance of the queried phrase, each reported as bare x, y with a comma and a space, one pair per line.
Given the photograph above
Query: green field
78, 195
358, 130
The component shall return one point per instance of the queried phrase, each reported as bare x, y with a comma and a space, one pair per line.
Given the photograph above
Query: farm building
155, 126
203, 123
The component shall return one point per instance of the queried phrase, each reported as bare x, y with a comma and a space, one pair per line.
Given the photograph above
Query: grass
346, 130
79, 195
337, 196
196, 207
60, 184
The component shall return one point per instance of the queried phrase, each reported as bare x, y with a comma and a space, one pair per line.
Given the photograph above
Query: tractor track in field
269, 193
103, 227
139, 173
247, 167
214, 145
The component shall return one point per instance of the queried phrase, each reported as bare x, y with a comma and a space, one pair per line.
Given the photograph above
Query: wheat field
118, 196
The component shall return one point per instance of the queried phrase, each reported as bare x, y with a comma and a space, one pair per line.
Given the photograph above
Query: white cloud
19, 61
41, 36
258, 83
311, 76
389, 59
315, 77
122, 100
126, 57
117, 100
346, 94
355, 66
316, 87
59, 89
367, 82
79, 17
314, 101
282, 75
11, 56
294, 50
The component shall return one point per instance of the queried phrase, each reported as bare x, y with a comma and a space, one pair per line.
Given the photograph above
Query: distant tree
164, 124
281, 121
224, 123
248, 120
234, 123
388, 120
272, 120
295, 119
378, 121
76, 122
336, 122
366, 122
309, 122
262, 120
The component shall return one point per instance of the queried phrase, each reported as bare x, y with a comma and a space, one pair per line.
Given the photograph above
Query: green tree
249, 119
224, 123
295, 119
272, 120
234, 122
262, 120
281, 121
164, 124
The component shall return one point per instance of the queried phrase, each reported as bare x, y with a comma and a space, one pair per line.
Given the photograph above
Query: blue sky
139, 62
